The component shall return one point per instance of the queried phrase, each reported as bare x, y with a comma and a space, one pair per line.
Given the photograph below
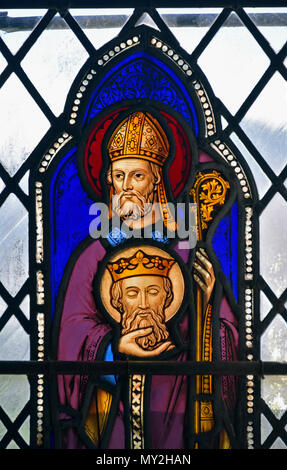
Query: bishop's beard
143, 318
135, 208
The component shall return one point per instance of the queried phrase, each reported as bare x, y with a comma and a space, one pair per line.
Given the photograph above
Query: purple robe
83, 329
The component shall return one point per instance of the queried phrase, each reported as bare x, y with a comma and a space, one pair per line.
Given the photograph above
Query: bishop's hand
203, 275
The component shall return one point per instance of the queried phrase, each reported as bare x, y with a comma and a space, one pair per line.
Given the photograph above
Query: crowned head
141, 291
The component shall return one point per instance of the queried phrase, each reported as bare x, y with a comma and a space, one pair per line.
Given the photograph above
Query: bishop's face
134, 187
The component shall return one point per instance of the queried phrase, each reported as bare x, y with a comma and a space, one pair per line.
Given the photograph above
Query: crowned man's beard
143, 318
138, 206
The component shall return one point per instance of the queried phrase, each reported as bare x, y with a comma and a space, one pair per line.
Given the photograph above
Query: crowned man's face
143, 301
143, 293
134, 186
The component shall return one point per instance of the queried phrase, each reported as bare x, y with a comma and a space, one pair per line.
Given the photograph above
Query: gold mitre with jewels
139, 135
140, 264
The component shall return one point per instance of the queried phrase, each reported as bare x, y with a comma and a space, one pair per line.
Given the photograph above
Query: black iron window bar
234, 4
176, 20
126, 368
76, 24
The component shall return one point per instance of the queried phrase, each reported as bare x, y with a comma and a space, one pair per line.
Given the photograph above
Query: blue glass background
225, 246
142, 76
70, 217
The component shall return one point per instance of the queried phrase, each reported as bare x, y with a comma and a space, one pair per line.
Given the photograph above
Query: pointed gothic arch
160, 75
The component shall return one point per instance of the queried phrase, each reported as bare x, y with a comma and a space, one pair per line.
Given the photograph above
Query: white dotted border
39, 222
172, 55
249, 308
250, 434
249, 304
248, 244
53, 150
40, 380
112, 53
79, 96
224, 151
199, 89
40, 287
230, 158
206, 109
250, 410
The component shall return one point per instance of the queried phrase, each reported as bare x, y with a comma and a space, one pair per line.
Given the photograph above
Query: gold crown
140, 264
139, 135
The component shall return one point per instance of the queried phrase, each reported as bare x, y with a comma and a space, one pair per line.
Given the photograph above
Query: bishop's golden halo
174, 273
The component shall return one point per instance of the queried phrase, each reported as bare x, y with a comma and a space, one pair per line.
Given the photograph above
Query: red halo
179, 168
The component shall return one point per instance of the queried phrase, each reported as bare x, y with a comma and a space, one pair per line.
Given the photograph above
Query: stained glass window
143, 189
